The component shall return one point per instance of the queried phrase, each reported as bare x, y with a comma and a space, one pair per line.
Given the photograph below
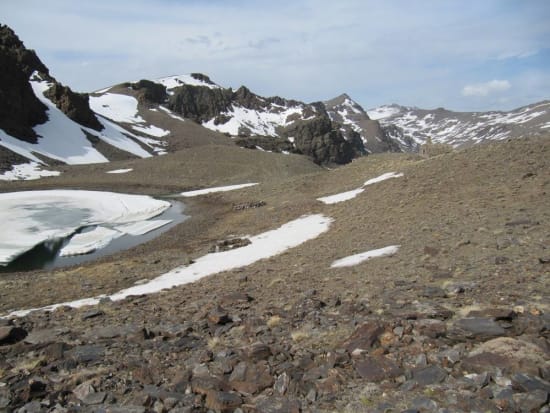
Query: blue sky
463, 55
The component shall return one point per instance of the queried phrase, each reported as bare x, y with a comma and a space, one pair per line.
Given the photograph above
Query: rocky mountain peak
202, 78
20, 110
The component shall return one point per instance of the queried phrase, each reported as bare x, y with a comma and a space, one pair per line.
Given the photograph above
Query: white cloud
484, 89
293, 48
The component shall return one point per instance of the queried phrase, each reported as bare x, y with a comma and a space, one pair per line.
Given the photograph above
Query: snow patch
382, 112
216, 189
116, 136
346, 196
364, 256
152, 130
172, 82
171, 114
262, 246
26, 172
117, 107
341, 197
120, 171
383, 177
263, 123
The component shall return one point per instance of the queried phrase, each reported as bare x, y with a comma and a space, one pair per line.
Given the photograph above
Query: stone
92, 314
528, 383
257, 351
11, 335
532, 401
223, 401
125, 409
511, 354
218, 316
277, 404
433, 292
237, 298
431, 328
204, 384
31, 407
429, 375
482, 362
87, 353
364, 337
44, 336
376, 369
83, 390
281, 383
479, 328
250, 377
494, 313
94, 398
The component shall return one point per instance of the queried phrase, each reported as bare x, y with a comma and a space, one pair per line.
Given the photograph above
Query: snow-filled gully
262, 246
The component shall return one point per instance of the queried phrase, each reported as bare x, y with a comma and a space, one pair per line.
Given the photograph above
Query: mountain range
44, 122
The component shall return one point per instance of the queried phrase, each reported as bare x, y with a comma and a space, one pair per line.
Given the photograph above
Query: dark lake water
46, 255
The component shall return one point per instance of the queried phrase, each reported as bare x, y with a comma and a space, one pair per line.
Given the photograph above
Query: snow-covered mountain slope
252, 121
412, 126
62, 139
354, 120
42, 121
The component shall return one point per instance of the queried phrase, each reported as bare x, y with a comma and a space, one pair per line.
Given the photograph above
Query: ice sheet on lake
32, 217
216, 189
26, 172
143, 227
262, 246
364, 256
90, 241
346, 196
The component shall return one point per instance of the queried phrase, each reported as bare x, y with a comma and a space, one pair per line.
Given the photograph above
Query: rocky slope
354, 122
411, 127
455, 321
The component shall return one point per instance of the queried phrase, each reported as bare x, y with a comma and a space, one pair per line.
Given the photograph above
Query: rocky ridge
412, 127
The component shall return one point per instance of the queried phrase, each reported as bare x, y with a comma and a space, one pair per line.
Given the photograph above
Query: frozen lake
50, 229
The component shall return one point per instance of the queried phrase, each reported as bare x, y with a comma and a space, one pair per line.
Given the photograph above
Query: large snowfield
32, 217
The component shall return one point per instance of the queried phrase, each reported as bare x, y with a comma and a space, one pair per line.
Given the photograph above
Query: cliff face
20, 109
75, 105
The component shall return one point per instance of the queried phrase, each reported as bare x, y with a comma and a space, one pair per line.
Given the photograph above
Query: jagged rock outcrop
150, 92
318, 139
355, 125
199, 103
75, 105
20, 110
203, 78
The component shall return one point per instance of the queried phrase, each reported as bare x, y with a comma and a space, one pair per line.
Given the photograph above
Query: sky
466, 55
